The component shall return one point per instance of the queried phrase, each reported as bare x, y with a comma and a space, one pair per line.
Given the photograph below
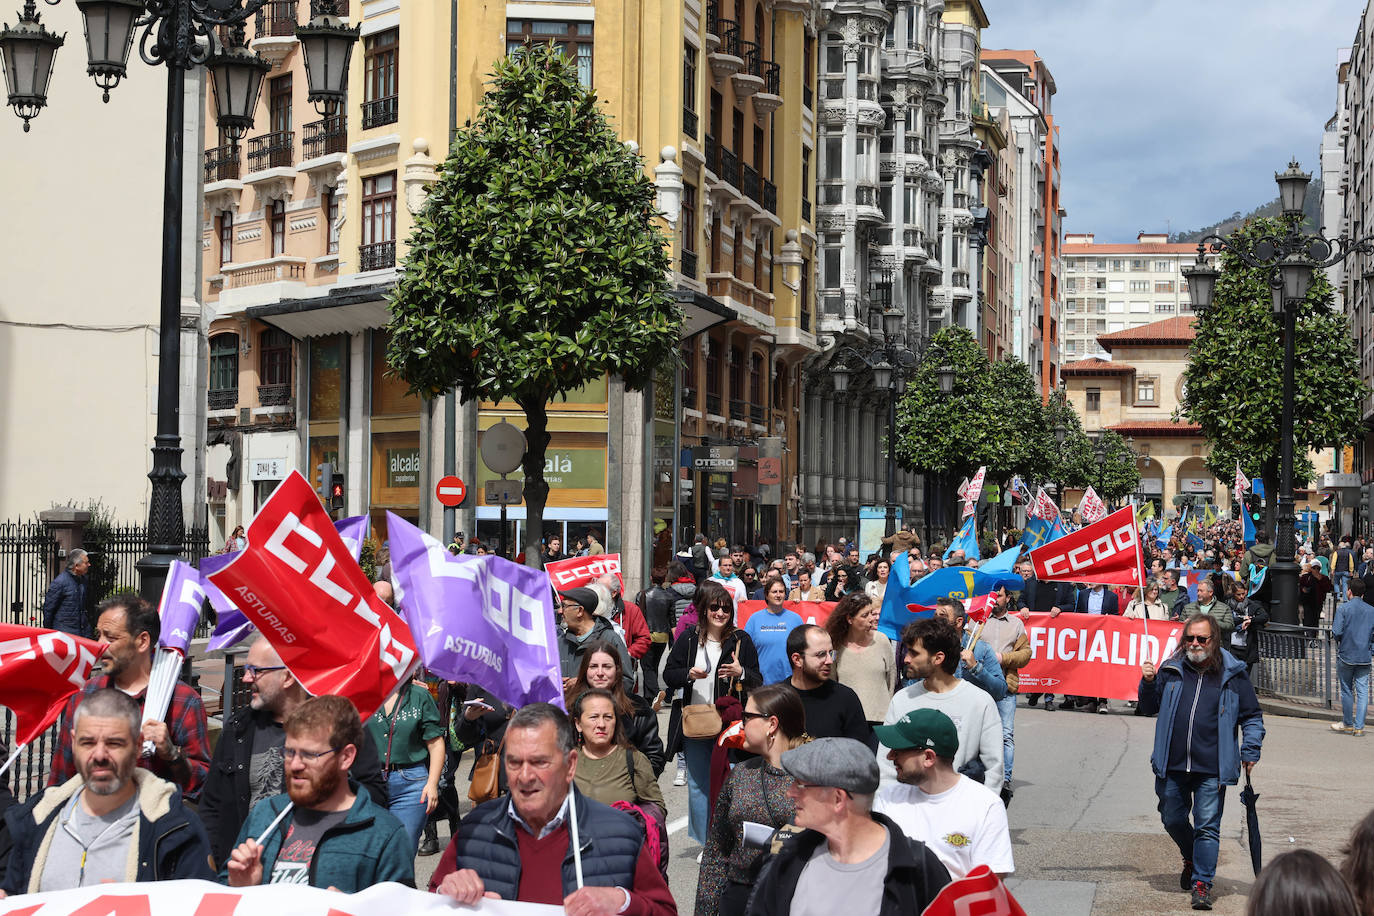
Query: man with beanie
847, 858
958, 819
581, 627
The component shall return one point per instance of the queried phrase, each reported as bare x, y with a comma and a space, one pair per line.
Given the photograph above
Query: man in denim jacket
1203, 697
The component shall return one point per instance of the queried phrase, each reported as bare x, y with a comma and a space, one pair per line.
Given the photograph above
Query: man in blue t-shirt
768, 628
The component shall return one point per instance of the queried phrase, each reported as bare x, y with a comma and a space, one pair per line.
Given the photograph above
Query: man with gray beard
1203, 698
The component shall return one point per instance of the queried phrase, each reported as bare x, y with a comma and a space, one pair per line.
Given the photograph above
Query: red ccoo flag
1107, 552
39, 670
979, 893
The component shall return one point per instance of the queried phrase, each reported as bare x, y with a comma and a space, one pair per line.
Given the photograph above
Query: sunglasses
717, 607
1200, 640
747, 715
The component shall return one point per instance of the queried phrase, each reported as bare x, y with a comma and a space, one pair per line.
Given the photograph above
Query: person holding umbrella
1203, 697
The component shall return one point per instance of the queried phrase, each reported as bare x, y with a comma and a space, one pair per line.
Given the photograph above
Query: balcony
808, 98
769, 99
378, 112
712, 155
805, 318
689, 123
222, 398
806, 209
274, 395
712, 28
276, 19
739, 410
749, 79
222, 163
751, 184
729, 167
276, 150
770, 197
713, 404
725, 60
689, 265
757, 413
325, 137
273, 270
377, 256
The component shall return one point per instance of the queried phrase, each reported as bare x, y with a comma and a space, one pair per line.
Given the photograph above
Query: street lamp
1289, 257
890, 363
181, 34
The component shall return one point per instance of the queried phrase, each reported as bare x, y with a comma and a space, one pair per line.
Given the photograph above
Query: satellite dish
503, 448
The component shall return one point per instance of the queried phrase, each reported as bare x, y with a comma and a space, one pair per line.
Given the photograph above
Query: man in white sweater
930, 652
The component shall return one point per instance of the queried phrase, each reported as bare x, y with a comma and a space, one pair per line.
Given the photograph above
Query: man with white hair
64, 605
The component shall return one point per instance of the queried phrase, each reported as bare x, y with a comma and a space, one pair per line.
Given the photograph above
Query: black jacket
659, 604
1038, 597
224, 799
1110, 603
641, 729
171, 841
914, 874
682, 659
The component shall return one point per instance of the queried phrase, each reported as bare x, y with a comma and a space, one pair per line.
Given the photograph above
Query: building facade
1110, 288
1020, 85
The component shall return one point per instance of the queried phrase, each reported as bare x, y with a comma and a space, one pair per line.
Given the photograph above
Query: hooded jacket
168, 843
570, 649
1237, 710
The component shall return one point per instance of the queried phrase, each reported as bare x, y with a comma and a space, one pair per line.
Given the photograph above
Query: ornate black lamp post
891, 364
181, 34
1289, 257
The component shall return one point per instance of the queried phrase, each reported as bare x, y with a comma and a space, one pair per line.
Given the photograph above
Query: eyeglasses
253, 672
747, 715
1200, 640
291, 753
717, 607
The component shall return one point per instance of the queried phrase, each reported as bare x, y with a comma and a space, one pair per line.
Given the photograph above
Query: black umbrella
1248, 797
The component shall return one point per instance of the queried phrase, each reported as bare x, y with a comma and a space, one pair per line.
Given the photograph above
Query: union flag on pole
1242, 483
961, 491
1107, 552
39, 669
1044, 508
1092, 508
975, 486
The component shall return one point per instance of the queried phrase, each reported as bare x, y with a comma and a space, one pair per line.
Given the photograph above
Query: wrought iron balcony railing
272, 151
321, 138
377, 256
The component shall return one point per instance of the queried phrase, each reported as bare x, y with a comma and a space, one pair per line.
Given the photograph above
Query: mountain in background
1310, 221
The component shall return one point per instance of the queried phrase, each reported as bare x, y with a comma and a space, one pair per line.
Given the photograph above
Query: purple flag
479, 619
233, 626
182, 596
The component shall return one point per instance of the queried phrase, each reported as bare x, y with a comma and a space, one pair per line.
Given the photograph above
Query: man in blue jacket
1354, 629
1203, 697
64, 604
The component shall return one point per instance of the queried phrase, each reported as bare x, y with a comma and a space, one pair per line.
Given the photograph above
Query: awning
351, 310
700, 312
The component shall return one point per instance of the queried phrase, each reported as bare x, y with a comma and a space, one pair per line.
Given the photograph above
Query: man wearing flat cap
847, 858
959, 819
581, 628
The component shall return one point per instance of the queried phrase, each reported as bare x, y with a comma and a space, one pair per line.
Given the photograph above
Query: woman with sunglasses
755, 792
711, 660
600, 670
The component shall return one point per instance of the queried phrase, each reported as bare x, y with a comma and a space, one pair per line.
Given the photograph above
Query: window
1164, 267
1140, 286
380, 53
737, 251
1145, 390
1116, 286
279, 104
1118, 264
1094, 399
1116, 305
278, 221
331, 212
1140, 306
1164, 307
274, 357
224, 365
736, 374
830, 278
806, 183
689, 90
1164, 286
226, 237
713, 371
689, 217
756, 379
808, 70
1138, 264
574, 39
379, 222
833, 164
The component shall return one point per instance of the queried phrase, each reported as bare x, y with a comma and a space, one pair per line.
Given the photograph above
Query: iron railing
753, 58
772, 78
712, 14
277, 19
689, 264
377, 112
222, 398
712, 155
739, 409
713, 404
29, 773
1297, 665
751, 183
689, 122
770, 196
729, 167
728, 30
222, 163
326, 136
377, 256
806, 319
757, 413
272, 151
28, 561
806, 209
274, 395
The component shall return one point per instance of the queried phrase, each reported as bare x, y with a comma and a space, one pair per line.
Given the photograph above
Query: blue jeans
404, 787
1342, 581
1007, 707
1354, 692
1198, 841
697, 751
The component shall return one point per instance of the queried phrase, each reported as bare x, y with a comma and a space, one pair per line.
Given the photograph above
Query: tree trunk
536, 488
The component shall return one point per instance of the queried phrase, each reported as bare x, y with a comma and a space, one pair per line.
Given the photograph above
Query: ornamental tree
1234, 381
535, 266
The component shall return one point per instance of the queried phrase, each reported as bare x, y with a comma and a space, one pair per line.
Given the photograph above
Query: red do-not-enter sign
451, 491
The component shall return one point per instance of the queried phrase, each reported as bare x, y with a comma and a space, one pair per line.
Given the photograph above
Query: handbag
701, 720
486, 773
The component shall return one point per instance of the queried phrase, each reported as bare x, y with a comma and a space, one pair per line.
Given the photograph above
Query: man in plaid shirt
129, 627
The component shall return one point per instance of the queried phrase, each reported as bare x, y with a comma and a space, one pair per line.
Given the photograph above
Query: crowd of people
826, 766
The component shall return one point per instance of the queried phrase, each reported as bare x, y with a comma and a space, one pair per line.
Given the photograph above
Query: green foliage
1072, 462
991, 417
535, 266
1119, 476
367, 558
1235, 372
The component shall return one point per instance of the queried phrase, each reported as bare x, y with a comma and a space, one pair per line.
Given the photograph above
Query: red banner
1092, 655
298, 583
817, 612
39, 669
576, 572
979, 893
1106, 553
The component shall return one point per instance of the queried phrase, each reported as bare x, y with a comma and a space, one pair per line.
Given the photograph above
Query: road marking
675, 826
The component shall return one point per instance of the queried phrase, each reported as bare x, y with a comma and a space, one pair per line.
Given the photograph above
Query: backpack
655, 831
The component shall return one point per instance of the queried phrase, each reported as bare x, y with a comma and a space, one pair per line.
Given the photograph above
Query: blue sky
1175, 113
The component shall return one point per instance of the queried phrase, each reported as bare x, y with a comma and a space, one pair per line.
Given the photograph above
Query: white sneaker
681, 778
1340, 727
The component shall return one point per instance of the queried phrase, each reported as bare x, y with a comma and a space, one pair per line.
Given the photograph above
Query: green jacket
369, 847
1221, 611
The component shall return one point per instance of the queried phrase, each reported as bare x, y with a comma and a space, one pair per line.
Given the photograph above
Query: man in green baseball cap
960, 820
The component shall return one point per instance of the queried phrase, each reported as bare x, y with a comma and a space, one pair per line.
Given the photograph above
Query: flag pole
273, 826
13, 756
572, 827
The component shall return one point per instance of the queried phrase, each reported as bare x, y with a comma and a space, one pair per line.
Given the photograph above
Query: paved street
1086, 834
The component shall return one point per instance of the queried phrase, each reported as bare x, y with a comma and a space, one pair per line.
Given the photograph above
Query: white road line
675, 826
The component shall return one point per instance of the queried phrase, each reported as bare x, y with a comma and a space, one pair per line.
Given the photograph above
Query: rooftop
1147, 428
1095, 366
1177, 331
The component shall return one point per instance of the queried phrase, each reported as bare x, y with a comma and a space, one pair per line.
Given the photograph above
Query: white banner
205, 898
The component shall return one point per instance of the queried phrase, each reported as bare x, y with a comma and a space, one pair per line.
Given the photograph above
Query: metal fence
29, 772
28, 553
115, 551
1298, 666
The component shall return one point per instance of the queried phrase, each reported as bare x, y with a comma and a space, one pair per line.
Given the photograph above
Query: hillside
1311, 216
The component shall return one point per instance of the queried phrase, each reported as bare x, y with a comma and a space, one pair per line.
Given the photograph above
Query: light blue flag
1004, 562
1039, 532
1163, 540
1256, 579
966, 540
903, 602
1249, 528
